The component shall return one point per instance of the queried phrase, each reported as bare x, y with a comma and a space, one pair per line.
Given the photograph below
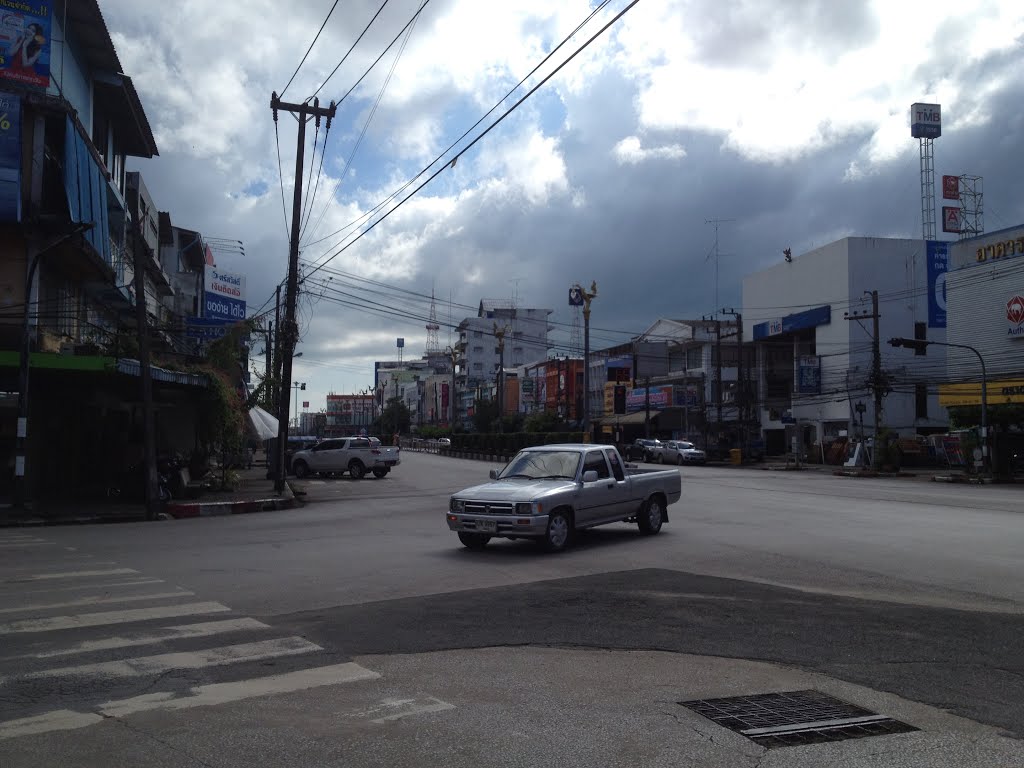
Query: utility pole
876, 380
152, 492
275, 394
499, 334
718, 373
288, 329
588, 296
741, 387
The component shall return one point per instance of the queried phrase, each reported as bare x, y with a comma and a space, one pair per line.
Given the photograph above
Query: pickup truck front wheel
651, 517
559, 531
474, 540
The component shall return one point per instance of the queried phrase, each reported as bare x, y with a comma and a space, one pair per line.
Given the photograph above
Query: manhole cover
794, 718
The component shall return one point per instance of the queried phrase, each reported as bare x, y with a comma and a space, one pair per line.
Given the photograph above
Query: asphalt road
901, 586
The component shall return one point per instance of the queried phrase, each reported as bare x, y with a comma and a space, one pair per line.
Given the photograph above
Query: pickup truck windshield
536, 465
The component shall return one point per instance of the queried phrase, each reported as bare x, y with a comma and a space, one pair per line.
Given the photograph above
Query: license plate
487, 526
390, 463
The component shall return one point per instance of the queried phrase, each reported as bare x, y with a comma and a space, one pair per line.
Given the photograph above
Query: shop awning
265, 425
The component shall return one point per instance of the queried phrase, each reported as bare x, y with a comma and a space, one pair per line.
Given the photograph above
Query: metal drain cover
794, 718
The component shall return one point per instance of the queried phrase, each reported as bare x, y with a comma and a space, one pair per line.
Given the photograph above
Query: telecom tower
926, 126
433, 344
972, 214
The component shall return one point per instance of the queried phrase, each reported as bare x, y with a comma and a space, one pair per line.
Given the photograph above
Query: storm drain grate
794, 718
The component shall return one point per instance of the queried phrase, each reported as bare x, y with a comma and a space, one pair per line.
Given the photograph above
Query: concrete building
985, 311
526, 340
813, 366
349, 414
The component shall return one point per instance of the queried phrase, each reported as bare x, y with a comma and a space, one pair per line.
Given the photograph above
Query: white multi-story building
814, 365
525, 338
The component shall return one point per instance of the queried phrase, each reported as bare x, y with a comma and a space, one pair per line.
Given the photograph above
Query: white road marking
18, 591
59, 720
224, 693
73, 574
401, 708
200, 696
164, 662
54, 623
84, 601
25, 543
201, 629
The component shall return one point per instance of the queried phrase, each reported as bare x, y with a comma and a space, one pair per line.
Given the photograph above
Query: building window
921, 401
694, 358
478, 334
921, 334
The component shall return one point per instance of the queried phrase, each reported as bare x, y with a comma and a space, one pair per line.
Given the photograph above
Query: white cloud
630, 151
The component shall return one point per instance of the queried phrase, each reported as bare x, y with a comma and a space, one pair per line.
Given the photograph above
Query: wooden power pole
876, 379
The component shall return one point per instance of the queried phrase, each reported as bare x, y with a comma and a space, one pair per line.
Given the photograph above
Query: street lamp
586, 297
921, 344
296, 386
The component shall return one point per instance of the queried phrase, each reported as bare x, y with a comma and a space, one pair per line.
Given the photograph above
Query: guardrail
423, 446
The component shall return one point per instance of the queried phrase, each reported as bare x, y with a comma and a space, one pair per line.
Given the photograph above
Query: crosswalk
83, 640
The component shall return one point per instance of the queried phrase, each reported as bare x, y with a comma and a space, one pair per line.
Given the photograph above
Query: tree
543, 421
395, 417
485, 413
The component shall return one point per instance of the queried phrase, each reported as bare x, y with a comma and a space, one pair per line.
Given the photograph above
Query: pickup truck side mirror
590, 476
493, 474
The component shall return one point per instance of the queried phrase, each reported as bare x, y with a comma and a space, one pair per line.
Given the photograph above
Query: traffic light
620, 399
918, 345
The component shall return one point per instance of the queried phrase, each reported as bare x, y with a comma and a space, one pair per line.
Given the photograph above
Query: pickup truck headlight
528, 508
456, 505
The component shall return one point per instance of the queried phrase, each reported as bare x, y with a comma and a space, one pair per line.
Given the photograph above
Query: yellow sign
999, 392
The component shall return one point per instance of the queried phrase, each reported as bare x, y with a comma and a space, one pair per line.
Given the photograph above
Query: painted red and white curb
179, 511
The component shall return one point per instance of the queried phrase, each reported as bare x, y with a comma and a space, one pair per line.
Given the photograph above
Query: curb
220, 508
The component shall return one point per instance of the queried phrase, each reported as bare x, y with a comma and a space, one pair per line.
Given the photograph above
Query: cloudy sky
788, 119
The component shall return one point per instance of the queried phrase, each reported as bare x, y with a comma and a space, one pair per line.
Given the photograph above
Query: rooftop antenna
717, 256
433, 345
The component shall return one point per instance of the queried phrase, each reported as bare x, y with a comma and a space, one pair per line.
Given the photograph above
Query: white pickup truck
354, 455
549, 492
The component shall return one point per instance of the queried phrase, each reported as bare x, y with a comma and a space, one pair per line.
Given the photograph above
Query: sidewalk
255, 493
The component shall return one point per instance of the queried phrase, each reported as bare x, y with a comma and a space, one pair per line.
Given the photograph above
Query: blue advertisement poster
938, 265
809, 378
10, 157
25, 42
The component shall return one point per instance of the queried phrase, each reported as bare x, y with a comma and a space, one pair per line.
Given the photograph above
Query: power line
317, 37
280, 175
491, 127
451, 146
352, 48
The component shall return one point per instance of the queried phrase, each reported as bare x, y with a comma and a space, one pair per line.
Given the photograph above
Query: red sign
950, 218
1015, 310
305, 403
950, 187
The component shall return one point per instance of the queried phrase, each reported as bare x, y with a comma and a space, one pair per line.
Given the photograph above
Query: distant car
643, 449
445, 441
681, 452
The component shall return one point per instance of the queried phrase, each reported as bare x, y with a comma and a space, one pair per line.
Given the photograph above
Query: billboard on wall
225, 295
938, 266
809, 375
25, 42
10, 157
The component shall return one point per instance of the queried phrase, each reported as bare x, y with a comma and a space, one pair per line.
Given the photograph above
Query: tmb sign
925, 121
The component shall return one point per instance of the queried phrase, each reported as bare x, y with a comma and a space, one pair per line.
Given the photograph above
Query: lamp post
916, 344
296, 386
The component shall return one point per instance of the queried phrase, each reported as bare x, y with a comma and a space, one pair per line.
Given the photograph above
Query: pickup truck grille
489, 508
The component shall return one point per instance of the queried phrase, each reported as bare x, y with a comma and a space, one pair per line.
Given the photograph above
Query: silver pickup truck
549, 492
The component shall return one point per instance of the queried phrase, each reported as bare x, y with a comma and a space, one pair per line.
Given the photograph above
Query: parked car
354, 455
681, 452
643, 449
549, 492
444, 442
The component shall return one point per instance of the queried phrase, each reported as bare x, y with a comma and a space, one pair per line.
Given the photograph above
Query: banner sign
206, 328
950, 187
938, 265
10, 157
225, 294
636, 399
809, 379
25, 42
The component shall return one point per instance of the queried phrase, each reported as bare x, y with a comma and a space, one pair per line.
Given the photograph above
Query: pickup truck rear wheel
651, 516
474, 540
356, 469
559, 531
300, 468
379, 473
